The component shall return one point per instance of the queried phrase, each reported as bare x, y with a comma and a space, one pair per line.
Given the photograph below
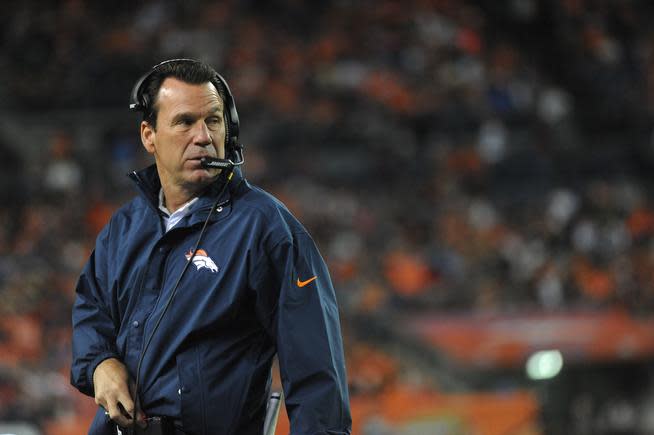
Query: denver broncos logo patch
202, 260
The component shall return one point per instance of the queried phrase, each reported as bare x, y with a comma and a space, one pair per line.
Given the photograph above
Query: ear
148, 136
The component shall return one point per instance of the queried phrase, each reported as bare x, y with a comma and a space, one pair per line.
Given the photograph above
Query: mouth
195, 162
198, 158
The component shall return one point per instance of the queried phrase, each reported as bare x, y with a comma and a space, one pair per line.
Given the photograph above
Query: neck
176, 196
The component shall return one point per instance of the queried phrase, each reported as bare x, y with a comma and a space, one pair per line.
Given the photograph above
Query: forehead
178, 96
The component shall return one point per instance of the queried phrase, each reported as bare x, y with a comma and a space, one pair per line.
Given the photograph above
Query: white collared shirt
170, 220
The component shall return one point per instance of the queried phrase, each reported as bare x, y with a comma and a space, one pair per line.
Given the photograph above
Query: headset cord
135, 398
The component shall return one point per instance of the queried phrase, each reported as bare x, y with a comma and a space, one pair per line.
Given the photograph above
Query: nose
202, 134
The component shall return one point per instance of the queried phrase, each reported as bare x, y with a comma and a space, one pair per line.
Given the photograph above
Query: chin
201, 177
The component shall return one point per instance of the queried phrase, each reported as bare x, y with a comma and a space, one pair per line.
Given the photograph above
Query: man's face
190, 125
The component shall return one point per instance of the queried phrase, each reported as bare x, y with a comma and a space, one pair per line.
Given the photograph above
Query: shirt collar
172, 219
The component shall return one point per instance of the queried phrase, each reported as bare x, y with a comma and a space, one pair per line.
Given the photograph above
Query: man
194, 285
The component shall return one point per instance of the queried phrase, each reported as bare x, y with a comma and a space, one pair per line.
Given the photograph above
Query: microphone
216, 163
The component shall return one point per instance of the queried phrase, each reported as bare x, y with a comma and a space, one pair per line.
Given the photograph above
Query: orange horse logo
201, 259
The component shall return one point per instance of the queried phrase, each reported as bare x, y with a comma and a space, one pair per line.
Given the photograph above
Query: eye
185, 121
214, 121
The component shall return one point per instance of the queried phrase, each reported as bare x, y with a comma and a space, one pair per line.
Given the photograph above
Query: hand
113, 391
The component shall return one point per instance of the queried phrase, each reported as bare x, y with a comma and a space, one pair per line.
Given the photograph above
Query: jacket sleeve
306, 328
94, 331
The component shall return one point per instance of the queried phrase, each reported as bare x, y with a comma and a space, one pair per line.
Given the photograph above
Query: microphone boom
215, 163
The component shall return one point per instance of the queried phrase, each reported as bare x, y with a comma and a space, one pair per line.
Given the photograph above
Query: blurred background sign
491, 340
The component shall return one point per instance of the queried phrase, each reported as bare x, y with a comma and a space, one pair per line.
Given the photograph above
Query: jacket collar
148, 184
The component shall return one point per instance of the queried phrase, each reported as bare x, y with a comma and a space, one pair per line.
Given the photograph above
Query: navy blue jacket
249, 294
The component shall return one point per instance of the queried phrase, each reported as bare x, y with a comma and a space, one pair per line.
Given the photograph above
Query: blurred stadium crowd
447, 156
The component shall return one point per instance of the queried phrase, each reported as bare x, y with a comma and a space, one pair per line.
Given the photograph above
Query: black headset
140, 102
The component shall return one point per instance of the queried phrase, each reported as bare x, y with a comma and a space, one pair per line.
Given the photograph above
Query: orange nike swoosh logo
303, 283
